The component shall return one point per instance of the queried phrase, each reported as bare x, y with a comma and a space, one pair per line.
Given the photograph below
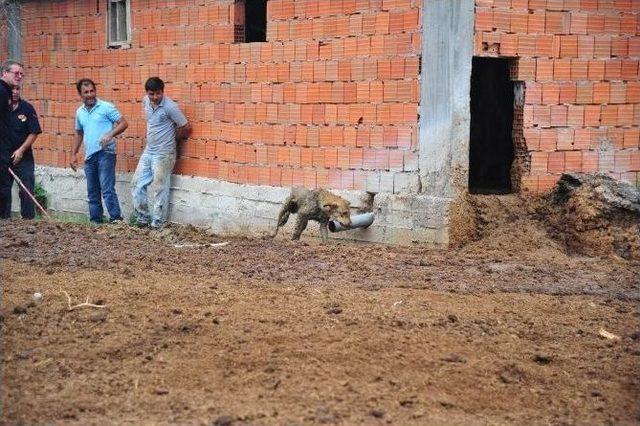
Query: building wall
578, 61
330, 100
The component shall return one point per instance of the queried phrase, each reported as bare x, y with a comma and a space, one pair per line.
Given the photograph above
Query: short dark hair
84, 82
154, 84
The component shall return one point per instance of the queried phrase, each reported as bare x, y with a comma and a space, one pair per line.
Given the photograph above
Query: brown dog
319, 205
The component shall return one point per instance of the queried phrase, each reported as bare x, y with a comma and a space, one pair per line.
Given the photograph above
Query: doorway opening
250, 21
491, 150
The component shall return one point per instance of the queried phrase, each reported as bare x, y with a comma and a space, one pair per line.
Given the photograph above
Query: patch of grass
41, 196
78, 218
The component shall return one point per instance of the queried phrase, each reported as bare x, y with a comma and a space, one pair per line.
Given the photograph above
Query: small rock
223, 421
407, 402
542, 359
635, 335
18, 310
453, 358
161, 391
176, 311
377, 413
447, 404
99, 317
452, 318
335, 310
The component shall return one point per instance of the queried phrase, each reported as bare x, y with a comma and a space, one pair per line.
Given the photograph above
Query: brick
565, 139
556, 162
575, 115
590, 162
573, 161
558, 115
586, 46
609, 115
596, 70
631, 138
544, 70
601, 92
579, 69
568, 93
550, 93
568, 46
562, 70
592, 115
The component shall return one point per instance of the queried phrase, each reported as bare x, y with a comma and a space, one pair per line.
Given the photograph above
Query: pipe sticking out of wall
362, 220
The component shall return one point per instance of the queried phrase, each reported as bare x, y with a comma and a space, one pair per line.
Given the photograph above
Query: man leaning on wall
12, 74
166, 125
97, 124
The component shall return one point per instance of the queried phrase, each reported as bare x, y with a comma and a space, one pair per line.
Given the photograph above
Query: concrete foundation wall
232, 209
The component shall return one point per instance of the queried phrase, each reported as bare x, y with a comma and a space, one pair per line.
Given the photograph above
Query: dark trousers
5, 190
25, 172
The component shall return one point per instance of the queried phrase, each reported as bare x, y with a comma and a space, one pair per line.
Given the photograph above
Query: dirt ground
511, 328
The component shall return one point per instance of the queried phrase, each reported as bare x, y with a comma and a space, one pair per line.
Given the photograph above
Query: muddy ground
511, 328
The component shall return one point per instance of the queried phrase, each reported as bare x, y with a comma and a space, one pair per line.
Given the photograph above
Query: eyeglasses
19, 73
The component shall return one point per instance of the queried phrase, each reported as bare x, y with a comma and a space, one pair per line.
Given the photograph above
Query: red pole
24, 188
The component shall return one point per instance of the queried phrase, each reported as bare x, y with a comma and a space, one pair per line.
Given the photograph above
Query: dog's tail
285, 211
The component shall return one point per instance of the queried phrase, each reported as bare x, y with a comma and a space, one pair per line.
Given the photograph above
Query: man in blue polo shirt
97, 124
165, 126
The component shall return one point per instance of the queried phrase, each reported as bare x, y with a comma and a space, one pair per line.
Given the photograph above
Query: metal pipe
362, 220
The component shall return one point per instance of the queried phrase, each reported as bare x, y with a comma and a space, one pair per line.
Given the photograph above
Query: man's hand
104, 141
74, 162
16, 157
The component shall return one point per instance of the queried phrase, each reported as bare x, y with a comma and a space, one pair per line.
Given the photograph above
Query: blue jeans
154, 170
100, 170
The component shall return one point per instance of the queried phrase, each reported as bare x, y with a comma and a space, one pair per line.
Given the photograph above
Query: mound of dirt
507, 226
590, 215
594, 215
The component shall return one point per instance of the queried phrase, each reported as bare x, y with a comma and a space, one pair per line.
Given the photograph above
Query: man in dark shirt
12, 74
26, 129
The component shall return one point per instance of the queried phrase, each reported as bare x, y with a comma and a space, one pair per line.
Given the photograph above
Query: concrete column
14, 27
447, 51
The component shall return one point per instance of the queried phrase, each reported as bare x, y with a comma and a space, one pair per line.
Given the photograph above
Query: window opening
250, 23
118, 19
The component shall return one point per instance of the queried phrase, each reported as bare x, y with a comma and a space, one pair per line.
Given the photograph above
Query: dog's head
338, 210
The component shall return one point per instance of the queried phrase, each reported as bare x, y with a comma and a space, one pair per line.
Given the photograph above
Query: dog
319, 205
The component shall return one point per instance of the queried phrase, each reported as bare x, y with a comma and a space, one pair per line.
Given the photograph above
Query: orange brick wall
330, 99
579, 63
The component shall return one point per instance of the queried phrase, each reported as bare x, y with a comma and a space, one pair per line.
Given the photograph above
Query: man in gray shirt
165, 126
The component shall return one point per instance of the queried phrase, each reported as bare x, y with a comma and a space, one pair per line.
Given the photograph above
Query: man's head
15, 94
155, 89
87, 91
12, 72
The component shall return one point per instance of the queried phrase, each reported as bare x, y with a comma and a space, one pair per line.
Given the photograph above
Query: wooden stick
71, 308
24, 188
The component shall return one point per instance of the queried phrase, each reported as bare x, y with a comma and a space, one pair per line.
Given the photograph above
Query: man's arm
18, 153
121, 126
183, 132
33, 124
75, 148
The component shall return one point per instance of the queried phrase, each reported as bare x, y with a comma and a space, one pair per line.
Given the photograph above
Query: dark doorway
491, 144
256, 20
